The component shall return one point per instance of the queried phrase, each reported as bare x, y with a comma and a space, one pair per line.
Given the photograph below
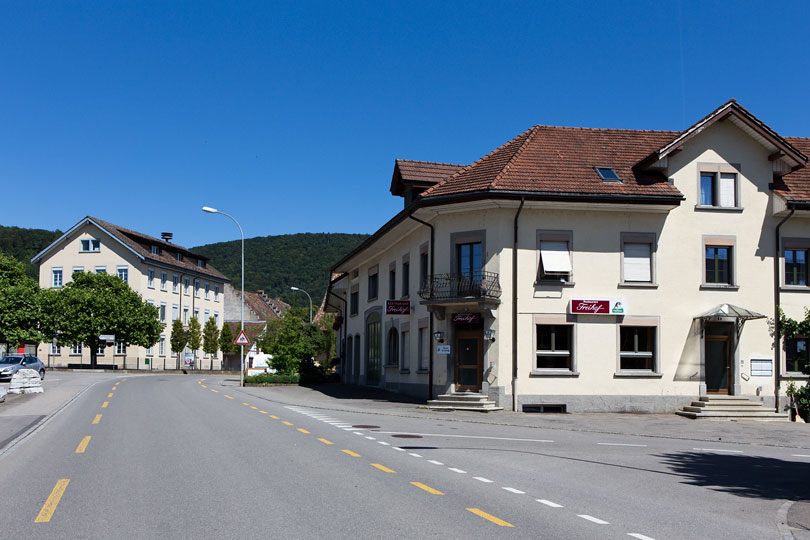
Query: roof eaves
87, 219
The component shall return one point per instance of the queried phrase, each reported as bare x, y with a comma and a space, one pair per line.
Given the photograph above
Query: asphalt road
168, 456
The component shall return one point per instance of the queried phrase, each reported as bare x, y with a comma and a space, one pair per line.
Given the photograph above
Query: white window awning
730, 310
555, 257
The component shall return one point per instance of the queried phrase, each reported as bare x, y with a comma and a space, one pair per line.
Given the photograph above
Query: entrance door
717, 356
469, 360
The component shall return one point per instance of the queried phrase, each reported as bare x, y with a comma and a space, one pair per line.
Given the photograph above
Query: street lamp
210, 210
310, 301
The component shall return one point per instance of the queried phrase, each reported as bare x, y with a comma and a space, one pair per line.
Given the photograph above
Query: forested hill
23, 244
275, 263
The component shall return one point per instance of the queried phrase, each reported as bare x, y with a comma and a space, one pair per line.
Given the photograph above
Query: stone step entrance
462, 401
730, 408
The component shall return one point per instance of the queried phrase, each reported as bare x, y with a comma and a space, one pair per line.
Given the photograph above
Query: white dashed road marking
718, 450
414, 455
482, 479
435, 462
640, 536
621, 444
466, 436
595, 520
513, 490
549, 503
456, 470
801, 455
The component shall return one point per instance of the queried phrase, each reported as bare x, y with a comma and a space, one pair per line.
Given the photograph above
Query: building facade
181, 284
588, 270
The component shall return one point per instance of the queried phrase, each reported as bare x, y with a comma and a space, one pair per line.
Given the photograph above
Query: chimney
167, 236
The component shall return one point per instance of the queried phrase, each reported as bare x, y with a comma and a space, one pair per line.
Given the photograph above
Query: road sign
242, 339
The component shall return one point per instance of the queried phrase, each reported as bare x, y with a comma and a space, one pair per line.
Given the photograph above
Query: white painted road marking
482, 479
414, 455
383, 443
621, 444
513, 490
435, 462
801, 455
640, 536
718, 450
465, 436
456, 470
549, 503
595, 520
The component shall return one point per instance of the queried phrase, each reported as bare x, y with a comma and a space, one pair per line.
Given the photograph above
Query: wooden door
469, 360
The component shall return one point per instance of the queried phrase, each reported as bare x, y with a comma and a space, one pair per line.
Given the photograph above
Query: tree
790, 328
194, 336
95, 304
292, 341
211, 337
226, 339
178, 339
20, 304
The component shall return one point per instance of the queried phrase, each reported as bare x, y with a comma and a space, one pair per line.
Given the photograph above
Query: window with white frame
196, 288
77, 269
216, 293
554, 249
90, 245
175, 283
56, 277
206, 316
150, 351
718, 189
175, 312
554, 347
163, 312
56, 349
76, 349
162, 346
186, 282
163, 281
207, 291
637, 348
638, 258
155, 250
123, 273
216, 318
200, 263
101, 269
100, 349
150, 278
185, 315
120, 348
197, 313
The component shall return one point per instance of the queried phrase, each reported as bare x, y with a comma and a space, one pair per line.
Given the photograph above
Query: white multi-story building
588, 269
180, 283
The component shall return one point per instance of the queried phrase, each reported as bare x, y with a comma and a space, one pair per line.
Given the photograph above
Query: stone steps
462, 401
730, 408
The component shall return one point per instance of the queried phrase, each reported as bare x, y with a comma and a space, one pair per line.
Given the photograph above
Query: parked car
12, 363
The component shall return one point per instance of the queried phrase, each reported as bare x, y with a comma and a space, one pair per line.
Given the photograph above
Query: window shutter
637, 262
555, 257
727, 191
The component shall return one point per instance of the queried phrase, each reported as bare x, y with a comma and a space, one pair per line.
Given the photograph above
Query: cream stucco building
588, 270
180, 283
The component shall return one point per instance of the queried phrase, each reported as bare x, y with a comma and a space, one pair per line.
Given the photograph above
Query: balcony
479, 287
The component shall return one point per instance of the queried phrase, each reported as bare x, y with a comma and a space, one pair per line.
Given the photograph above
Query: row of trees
209, 338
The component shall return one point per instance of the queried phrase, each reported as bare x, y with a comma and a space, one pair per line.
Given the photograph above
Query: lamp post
210, 210
310, 301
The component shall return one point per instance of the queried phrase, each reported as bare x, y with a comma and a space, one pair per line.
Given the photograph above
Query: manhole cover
406, 436
361, 426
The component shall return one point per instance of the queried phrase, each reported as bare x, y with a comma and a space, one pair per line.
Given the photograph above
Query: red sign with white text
397, 307
597, 307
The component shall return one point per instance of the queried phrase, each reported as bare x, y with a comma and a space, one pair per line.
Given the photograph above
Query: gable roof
141, 245
562, 160
795, 186
419, 173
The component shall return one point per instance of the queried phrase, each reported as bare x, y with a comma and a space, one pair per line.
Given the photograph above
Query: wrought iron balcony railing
478, 285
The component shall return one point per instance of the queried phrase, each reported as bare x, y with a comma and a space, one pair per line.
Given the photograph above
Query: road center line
97, 419
83, 445
593, 519
263, 412
104, 405
482, 479
549, 503
800, 455
274, 417
52, 502
384, 443
324, 441
353, 454
217, 391
513, 490
383, 468
227, 396
110, 395
459, 471
286, 423
465, 436
254, 408
414, 455
435, 462
429, 489
621, 444
718, 450
302, 430
489, 517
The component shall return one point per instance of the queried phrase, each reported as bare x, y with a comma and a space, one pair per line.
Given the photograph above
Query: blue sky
289, 115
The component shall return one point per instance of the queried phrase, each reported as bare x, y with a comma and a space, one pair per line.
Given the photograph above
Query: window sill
637, 285
553, 373
404, 371
719, 286
553, 283
390, 366
707, 208
637, 375
405, 297
422, 371
352, 314
794, 288
796, 375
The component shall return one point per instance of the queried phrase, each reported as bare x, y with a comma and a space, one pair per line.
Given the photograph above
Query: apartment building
588, 270
182, 284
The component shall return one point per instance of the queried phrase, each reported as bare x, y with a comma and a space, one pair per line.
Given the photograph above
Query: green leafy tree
292, 341
210, 337
96, 304
20, 304
226, 339
194, 336
178, 339
790, 328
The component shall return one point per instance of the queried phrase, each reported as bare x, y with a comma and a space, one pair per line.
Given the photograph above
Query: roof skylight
608, 174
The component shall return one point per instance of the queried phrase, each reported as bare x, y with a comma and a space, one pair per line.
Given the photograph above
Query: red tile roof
561, 160
795, 187
420, 173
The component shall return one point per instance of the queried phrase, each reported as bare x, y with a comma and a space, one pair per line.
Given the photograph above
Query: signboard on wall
397, 307
597, 306
466, 318
442, 349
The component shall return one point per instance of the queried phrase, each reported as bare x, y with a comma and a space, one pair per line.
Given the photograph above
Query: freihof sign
466, 318
597, 306
397, 307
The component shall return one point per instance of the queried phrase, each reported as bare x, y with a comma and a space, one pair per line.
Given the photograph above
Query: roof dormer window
179, 256
608, 174
200, 263
155, 250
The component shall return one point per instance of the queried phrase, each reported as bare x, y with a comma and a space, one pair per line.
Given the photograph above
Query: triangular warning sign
242, 339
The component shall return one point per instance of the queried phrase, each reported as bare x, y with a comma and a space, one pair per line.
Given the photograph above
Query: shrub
272, 378
801, 396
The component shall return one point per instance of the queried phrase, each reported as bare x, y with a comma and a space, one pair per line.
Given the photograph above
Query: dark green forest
23, 244
275, 263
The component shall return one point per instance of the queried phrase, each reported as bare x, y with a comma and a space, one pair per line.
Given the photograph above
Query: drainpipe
430, 336
777, 340
515, 309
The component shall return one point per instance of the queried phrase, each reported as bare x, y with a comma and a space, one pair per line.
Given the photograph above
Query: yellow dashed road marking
302, 430
383, 468
110, 395
353, 454
114, 388
204, 386
254, 408
217, 391
83, 445
245, 404
287, 423
324, 441
263, 412
429, 489
227, 396
52, 502
489, 517
104, 405
97, 419
274, 417
122, 380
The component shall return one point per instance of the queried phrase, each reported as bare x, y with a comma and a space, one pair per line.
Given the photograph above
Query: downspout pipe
430, 337
777, 328
515, 308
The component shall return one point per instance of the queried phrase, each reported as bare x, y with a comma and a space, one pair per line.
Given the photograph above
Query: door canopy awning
730, 310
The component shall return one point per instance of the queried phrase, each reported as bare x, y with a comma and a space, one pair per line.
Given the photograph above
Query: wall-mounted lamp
489, 335
438, 336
